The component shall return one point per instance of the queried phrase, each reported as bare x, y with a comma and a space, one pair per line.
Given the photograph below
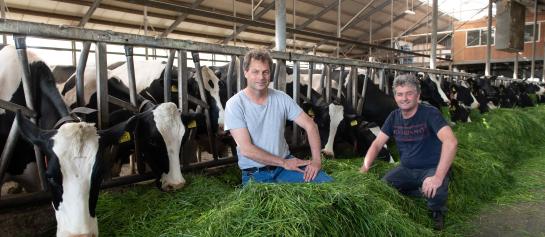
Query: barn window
478, 37
473, 37
528, 32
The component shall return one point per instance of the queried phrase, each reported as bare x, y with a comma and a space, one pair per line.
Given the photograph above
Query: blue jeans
281, 175
409, 182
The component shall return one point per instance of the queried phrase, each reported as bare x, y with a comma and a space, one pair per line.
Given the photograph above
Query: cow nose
173, 187
82, 235
328, 153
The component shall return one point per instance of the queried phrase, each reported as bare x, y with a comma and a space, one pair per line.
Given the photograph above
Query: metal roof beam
180, 19
320, 14
244, 27
370, 13
351, 21
89, 13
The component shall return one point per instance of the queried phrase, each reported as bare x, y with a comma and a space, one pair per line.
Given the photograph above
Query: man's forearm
448, 153
314, 142
257, 154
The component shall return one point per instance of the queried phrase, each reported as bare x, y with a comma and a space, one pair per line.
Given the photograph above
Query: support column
532, 72
433, 52
280, 40
516, 66
488, 40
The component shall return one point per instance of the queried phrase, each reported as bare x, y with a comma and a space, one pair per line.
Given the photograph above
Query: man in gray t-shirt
256, 117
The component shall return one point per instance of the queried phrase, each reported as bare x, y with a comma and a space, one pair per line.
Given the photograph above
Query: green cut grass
495, 151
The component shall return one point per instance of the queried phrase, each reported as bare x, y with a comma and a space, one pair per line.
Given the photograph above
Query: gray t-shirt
265, 123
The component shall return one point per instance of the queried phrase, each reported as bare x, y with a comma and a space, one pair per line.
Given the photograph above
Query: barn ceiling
215, 21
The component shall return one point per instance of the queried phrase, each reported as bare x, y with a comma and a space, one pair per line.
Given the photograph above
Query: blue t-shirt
416, 137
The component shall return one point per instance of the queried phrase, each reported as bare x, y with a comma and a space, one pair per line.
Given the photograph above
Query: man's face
406, 97
258, 75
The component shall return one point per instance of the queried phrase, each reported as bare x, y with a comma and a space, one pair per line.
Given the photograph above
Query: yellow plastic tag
192, 124
173, 88
354, 123
310, 113
125, 137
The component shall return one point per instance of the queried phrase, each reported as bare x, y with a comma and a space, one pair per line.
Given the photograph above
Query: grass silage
491, 150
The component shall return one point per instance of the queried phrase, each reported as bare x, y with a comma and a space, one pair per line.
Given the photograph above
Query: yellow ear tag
173, 88
125, 137
310, 113
192, 124
354, 123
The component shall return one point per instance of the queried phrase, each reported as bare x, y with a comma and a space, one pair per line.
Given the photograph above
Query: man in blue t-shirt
427, 146
256, 117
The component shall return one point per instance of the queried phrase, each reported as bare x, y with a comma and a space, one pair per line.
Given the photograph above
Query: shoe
438, 220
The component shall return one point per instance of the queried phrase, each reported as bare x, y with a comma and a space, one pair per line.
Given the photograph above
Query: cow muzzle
82, 235
172, 187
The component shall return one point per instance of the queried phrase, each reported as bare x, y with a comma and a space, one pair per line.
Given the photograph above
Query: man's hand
430, 186
294, 163
312, 170
365, 167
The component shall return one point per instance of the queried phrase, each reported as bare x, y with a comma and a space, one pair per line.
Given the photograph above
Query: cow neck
257, 97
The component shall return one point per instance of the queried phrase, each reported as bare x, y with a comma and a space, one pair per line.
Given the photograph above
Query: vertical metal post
381, 77
196, 60
280, 25
354, 87
534, 32
3, 16
328, 85
102, 85
241, 80
167, 76
146, 27
310, 72
516, 66
73, 44
130, 70
132, 97
80, 71
322, 79
183, 77
296, 77
276, 74
230, 72
338, 26
392, 24
433, 52
361, 101
488, 40
370, 35
30, 88
341, 82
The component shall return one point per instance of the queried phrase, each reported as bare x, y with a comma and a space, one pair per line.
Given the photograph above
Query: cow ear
30, 132
112, 134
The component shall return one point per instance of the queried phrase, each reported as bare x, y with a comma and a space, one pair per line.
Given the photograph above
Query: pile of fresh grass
490, 150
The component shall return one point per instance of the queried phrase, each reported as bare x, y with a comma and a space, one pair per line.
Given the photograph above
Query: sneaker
438, 220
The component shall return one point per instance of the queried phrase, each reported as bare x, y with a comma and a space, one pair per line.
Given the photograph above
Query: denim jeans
409, 182
281, 175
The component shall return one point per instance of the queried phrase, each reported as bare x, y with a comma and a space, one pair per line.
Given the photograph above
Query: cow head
432, 92
74, 170
212, 85
163, 131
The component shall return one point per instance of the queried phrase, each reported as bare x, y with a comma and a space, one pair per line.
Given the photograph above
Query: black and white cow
73, 171
161, 125
48, 103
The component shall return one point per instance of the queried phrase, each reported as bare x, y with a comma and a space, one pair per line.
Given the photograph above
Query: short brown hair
256, 54
406, 80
